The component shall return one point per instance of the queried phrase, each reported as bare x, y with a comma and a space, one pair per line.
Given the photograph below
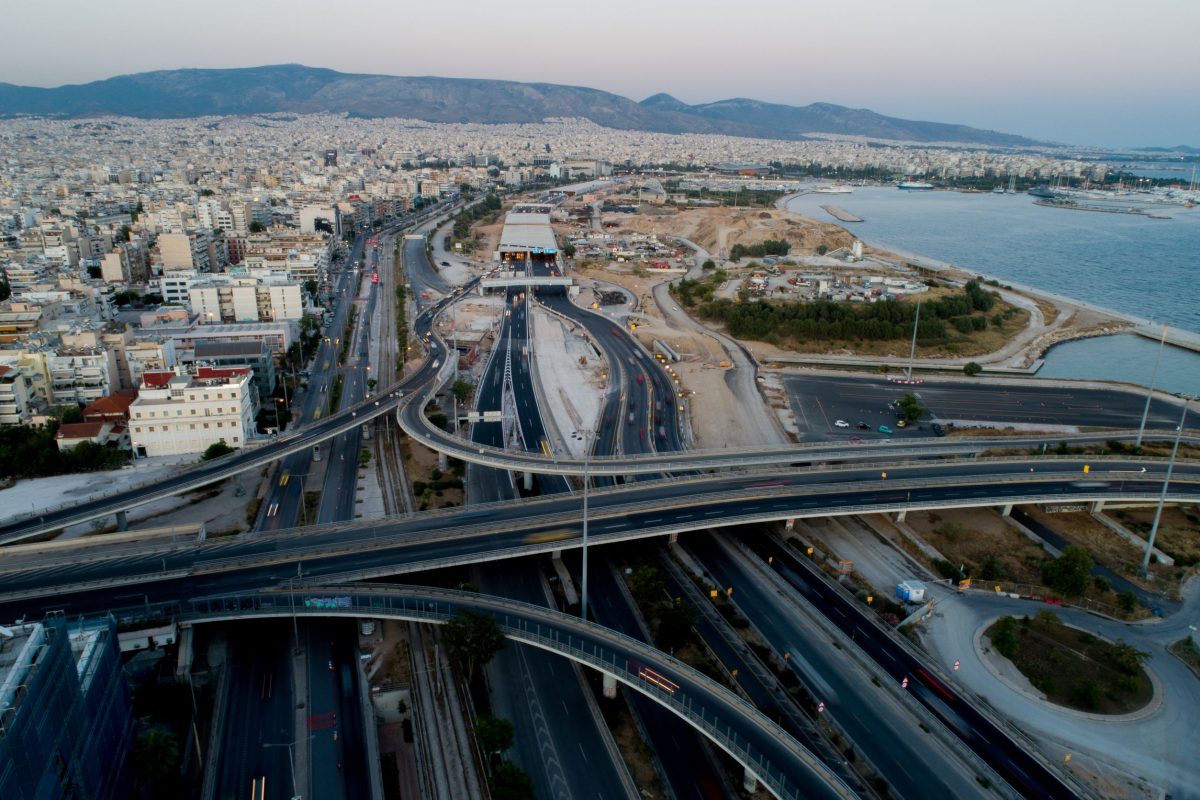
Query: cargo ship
914, 186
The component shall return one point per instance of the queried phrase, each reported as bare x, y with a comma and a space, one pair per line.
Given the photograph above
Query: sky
1090, 72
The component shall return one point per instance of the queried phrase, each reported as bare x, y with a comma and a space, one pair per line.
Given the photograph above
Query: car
884, 429
630, 418
331, 664
938, 430
445, 263
901, 423
862, 426
841, 423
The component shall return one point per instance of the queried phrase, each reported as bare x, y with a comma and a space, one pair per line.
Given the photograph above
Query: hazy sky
1079, 71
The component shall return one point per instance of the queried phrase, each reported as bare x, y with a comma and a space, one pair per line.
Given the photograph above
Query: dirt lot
420, 464
969, 536
1178, 531
1106, 547
718, 229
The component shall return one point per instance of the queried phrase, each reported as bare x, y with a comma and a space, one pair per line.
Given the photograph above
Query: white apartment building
178, 414
245, 300
80, 376
174, 286
14, 397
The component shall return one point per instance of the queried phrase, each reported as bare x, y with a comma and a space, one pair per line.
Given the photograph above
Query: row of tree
32, 452
826, 320
771, 247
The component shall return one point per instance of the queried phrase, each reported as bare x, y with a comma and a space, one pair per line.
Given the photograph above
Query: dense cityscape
351, 457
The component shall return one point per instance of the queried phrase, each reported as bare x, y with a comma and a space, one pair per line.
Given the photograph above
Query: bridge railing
731, 722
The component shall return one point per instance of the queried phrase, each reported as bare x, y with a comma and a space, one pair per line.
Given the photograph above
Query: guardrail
735, 725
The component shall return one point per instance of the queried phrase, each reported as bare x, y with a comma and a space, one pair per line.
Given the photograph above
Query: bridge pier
1006, 511
610, 686
1097, 506
122, 520
749, 782
528, 481
443, 462
673, 537
901, 514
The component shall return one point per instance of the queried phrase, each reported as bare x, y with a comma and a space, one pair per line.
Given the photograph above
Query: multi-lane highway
37, 578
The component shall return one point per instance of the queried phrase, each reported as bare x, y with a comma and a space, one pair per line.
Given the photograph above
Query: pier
841, 215
1185, 340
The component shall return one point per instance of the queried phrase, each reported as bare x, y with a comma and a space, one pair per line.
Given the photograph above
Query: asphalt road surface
818, 401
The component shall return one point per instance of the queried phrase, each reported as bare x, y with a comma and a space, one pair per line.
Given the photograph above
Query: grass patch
1072, 667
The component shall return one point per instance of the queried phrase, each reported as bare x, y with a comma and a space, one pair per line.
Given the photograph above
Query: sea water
1134, 265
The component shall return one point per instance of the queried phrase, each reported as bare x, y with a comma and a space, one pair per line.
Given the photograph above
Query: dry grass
1178, 531
969, 536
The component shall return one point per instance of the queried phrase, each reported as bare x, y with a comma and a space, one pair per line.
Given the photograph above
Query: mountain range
294, 88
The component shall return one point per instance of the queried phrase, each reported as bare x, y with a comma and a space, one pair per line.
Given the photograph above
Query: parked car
901, 423
938, 430
884, 429
841, 423
862, 426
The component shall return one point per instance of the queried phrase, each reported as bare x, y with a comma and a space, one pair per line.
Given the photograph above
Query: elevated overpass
768, 754
35, 579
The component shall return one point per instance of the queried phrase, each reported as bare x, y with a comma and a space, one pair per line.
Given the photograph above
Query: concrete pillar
1007, 510
443, 462
749, 782
556, 555
901, 514
1097, 506
610, 686
529, 481
673, 537
203, 532
122, 521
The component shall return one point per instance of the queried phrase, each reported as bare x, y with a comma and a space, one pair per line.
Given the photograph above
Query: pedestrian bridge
767, 752
518, 280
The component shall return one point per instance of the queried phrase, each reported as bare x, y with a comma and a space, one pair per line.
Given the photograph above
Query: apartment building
14, 397
232, 299
80, 376
177, 414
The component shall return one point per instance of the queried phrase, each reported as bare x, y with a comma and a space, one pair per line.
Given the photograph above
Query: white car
841, 423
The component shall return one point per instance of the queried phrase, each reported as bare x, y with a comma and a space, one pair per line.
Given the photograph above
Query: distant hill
298, 89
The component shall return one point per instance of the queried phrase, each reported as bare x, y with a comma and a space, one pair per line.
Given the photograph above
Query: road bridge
768, 754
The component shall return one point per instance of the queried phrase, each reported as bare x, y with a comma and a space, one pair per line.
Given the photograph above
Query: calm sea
1144, 267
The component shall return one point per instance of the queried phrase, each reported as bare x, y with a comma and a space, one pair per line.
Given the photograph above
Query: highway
37, 578
1013, 762
820, 400
779, 762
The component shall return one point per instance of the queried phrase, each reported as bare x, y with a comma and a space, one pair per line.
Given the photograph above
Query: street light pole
1150, 391
291, 763
912, 350
1162, 498
587, 449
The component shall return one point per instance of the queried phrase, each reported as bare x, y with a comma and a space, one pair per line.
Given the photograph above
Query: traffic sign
957, 664
821, 707
904, 683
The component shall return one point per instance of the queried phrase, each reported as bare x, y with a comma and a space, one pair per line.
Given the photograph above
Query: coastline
1059, 334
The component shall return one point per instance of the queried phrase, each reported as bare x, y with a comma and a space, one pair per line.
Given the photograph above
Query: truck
911, 592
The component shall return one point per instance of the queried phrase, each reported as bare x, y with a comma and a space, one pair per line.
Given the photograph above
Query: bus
374, 277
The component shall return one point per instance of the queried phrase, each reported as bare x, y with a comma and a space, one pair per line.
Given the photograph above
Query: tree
647, 585
493, 735
971, 369
1126, 658
461, 389
708, 264
471, 639
509, 782
911, 409
257, 227
155, 760
568, 251
70, 415
216, 450
675, 623
1127, 601
311, 287
1004, 637
1070, 573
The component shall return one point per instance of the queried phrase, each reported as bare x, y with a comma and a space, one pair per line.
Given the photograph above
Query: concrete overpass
37, 578
766, 752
